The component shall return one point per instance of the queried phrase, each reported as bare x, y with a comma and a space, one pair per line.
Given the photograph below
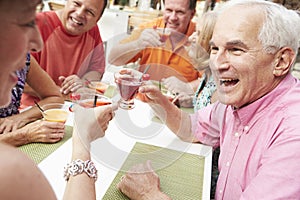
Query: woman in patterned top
199, 52
21, 128
16, 92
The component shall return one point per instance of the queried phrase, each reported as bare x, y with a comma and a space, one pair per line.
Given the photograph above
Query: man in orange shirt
145, 43
73, 51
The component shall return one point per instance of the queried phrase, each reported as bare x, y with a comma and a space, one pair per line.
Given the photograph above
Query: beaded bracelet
79, 166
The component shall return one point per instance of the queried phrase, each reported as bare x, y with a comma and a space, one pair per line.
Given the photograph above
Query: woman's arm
21, 178
44, 87
80, 186
89, 124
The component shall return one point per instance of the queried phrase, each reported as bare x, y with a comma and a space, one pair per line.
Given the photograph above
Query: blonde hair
206, 23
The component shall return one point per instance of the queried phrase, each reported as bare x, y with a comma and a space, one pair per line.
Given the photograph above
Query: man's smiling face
242, 69
79, 16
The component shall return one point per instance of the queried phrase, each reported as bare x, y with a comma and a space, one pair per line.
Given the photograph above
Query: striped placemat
39, 151
181, 174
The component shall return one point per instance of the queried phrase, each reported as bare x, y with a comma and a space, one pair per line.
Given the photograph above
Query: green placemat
181, 174
39, 151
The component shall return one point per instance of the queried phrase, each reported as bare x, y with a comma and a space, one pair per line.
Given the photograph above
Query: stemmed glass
128, 82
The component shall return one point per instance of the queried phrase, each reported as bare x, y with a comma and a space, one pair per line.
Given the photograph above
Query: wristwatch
78, 167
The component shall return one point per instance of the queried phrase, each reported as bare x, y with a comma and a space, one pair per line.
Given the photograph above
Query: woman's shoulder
17, 171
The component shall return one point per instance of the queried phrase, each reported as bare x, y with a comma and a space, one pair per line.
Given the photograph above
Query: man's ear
285, 58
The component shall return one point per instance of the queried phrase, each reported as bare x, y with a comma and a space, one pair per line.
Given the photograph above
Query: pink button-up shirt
260, 144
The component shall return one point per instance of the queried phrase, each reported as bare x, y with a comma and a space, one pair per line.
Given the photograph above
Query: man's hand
151, 94
70, 84
149, 38
141, 183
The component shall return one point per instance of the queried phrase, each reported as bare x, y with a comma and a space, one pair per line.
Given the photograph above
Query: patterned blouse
202, 97
16, 93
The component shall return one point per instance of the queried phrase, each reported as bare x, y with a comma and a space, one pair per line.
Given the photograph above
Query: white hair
280, 28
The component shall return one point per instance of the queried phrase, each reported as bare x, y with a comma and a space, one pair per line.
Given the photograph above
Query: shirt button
246, 128
220, 191
236, 134
227, 164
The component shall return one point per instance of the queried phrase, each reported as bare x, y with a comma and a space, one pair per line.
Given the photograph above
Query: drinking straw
39, 107
176, 97
165, 28
95, 101
146, 69
159, 85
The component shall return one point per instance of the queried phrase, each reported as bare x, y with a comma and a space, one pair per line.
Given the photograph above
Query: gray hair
280, 28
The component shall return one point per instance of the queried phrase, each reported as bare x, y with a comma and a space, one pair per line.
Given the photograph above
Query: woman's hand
177, 86
91, 123
44, 131
185, 100
11, 123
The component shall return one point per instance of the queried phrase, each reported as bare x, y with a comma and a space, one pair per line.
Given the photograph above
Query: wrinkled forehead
239, 21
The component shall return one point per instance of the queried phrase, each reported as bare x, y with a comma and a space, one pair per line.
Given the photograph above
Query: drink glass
164, 34
128, 82
196, 55
55, 112
90, 100
99, 86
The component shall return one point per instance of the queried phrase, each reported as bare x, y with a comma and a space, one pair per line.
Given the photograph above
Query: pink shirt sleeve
203, 126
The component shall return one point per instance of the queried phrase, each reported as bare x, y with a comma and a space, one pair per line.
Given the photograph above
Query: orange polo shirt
165, 61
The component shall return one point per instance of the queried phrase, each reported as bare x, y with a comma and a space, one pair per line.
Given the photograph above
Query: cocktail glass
55, 112
99, 86
90, 100
128, 82
164, 34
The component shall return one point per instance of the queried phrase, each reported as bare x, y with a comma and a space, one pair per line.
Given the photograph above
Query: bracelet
78, 167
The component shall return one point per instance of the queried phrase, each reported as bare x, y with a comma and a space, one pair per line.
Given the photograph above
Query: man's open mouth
76, 21
228, 82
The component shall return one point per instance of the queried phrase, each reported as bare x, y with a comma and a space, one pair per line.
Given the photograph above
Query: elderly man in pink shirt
256, 120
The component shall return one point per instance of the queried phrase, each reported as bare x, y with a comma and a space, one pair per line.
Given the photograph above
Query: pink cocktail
128, 84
